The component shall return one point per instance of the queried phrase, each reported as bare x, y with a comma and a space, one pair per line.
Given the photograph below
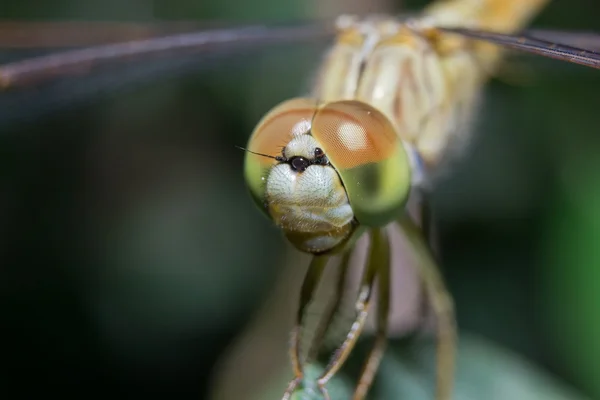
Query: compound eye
278, 127
362, 145
354, 133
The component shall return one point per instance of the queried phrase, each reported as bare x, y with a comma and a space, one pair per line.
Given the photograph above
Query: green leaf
484, 371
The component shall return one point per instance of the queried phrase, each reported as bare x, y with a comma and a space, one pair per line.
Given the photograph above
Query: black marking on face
320, 158
299, 163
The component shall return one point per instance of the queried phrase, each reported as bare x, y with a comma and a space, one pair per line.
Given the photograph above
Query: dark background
131, 256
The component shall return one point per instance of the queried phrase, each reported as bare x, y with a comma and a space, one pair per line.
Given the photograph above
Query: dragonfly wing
73, 34
45, 84
65, 34
42, 68
584, 40
529, 43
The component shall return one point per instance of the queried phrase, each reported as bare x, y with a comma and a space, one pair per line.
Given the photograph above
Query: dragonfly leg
377, 255
331, 309
383, 310
311, 281
442, 305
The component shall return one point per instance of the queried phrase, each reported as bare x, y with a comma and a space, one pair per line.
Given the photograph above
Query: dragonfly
390, 100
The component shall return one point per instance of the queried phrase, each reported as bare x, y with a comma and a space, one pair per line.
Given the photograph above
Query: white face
305, 195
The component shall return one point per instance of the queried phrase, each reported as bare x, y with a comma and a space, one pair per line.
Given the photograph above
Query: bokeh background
132, 261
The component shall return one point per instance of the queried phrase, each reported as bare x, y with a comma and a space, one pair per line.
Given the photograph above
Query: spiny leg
311, 281
331, 309
383, 311
442, 305
377, 247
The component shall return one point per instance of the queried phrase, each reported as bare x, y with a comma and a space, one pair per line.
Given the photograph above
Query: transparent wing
584, 40
579, 48
562, 46
37, 69
44, 34
36, 85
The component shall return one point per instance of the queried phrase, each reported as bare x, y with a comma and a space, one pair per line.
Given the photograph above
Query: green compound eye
363, 146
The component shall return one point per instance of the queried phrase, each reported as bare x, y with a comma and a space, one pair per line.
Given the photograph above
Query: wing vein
533, 45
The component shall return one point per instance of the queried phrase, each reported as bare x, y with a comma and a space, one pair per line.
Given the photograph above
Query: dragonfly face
321, 171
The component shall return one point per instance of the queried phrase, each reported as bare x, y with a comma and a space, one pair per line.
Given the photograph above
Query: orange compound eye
362, 145
279, 126
354, 133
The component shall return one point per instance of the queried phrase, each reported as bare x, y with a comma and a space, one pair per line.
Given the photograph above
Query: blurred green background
133, 261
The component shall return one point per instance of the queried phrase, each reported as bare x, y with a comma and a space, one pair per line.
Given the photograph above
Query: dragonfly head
322, 171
